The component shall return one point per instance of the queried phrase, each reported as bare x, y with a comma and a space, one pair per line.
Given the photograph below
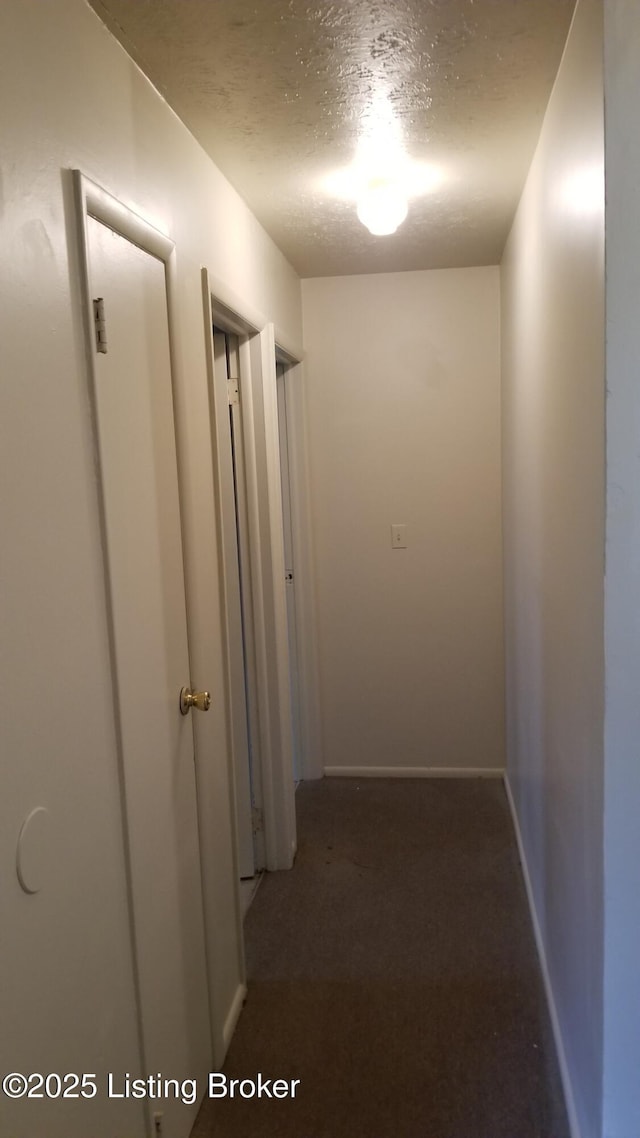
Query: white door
289, 573
134, 404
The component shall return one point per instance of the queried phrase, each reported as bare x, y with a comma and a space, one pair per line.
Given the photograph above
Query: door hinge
100, 325
257, 819
233, 392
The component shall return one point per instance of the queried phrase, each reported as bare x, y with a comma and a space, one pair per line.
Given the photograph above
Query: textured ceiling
279, 93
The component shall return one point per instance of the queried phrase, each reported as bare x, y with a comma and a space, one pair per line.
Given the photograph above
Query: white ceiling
279, 92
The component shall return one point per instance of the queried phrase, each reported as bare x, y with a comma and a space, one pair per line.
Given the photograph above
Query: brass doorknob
201, 700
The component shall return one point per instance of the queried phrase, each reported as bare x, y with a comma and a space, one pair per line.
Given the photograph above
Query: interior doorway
289, 568
240, 617
243, 404
129, 345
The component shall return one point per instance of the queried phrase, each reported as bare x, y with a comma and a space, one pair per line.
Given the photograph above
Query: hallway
394, 972
451, 412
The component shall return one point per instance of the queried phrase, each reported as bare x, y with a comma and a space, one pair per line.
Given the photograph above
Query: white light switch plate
399, 536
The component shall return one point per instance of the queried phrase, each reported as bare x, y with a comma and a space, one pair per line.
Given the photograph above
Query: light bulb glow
415, 179
382, 179
382, 207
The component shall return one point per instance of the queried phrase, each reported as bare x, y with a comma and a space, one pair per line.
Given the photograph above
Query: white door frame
236, 617
290, 586
262, 455
93, 201
311, 755
264, 502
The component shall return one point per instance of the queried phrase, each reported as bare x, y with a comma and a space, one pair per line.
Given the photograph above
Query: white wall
553, 445
69, 96
622, 582
402, 373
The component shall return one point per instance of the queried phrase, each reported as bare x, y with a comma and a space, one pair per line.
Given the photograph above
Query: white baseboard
553, 1013
414, 772
233, 1015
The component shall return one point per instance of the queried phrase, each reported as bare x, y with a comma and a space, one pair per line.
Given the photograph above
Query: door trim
236, 616
311, 748
91, 200
232, 312
264, 509
262, 451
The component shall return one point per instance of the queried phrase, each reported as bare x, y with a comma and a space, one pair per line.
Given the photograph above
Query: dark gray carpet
394, 972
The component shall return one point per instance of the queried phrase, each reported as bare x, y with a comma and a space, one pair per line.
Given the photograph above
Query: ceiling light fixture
382, 207
382, 179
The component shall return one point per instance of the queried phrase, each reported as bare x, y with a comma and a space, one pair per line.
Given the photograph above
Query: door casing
91, 200
264, 503
237, 610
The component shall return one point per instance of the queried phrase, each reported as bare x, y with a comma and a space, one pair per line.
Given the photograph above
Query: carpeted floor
394, 972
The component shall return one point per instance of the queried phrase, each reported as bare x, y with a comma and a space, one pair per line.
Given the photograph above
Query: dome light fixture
382, 179
382, 207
